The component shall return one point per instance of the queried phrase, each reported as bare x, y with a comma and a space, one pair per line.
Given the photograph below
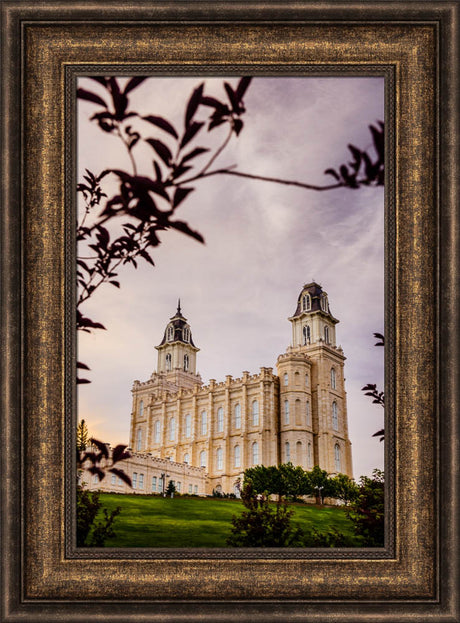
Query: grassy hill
154, 521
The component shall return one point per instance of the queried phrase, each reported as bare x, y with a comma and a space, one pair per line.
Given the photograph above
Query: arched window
296, 378
186, 363
220, 420
170, 333
203, 458
306, 334
286, 411
307, 380
168, 362
335, 416
306, 302
139, 440
186, 334
134, 480
333, 379
324, 305
172, 429
141, 408
186, 457
309, 455
287, 452
255, 413
237, 457
308, 413
255, 453
237, 416
298, 452
338, 466
188, 425
326, 334
286, 379
204, 422
156, 432
297, 411
220, 459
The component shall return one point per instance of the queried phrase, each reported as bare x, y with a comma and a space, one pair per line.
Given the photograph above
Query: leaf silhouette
83, 94
159, 122
193, 104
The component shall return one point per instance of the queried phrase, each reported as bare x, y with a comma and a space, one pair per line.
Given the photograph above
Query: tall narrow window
324, 305
237, 457
170, 333
186, 334
134, 480
306, 302
286, 379
255, 453
298, 452
156, 433
326, 334
139, 440
188, 425
298, 412
287, 452
168, 362
220, 420
203, 458
186, 363
286, 411
309, 455
308, 413
114, 479
141, 481
172, 429
154, 483
220, 459
161, 485
306, 334
337, 457
204, 422
307, 380
335, 416
333, 379
141, 408
237, 416
255, 413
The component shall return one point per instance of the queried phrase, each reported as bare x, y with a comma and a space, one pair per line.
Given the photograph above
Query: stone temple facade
297, 414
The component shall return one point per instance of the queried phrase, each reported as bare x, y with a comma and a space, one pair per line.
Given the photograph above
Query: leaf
242, 87
101, 80
237, 126
119, 453
82, 366
180, 195
185, 229
159, 122
83, 94
333, 173
215, 122
194, 153
121, 474
97, 471
102, 447
190, 133
215, 103
193, 104
377, 137
380, 337
133, 83
143, 253
82, 381
115, 283
232, 97
156, 166
161, 149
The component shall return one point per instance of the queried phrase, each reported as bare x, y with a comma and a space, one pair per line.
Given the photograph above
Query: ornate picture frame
416, 575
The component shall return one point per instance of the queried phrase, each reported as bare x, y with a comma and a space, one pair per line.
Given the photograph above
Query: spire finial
178, 307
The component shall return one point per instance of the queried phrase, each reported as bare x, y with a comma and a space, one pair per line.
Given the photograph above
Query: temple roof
179, 323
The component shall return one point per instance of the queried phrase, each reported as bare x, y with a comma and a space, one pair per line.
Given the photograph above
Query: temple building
216, 431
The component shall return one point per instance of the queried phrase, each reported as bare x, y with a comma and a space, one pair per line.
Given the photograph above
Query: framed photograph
260, 130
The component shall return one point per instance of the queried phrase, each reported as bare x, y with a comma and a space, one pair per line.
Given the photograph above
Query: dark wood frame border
420, 580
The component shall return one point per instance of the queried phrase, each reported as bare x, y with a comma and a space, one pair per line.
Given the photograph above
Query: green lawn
153, 521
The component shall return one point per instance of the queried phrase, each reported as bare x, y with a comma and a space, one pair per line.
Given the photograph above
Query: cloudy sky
264, 241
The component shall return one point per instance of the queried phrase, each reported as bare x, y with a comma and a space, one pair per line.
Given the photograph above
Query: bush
262, 525
92, 533
367, 511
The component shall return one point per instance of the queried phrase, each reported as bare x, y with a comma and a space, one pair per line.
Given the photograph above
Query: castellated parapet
297, 415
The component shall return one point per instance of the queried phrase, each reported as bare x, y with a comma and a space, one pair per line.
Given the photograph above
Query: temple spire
178, 312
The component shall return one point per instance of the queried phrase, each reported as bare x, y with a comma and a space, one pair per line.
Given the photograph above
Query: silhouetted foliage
100, 459
92, 532
371, 390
